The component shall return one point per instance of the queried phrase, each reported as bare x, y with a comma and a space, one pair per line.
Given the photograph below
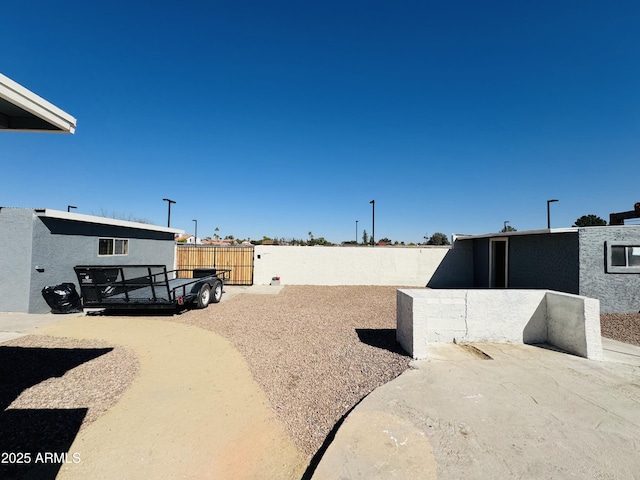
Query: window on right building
623, 257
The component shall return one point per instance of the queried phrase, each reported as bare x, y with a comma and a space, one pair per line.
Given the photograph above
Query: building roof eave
518, 233
79, 217
24, 111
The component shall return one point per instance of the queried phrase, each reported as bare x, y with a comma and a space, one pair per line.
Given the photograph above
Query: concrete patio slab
528, 412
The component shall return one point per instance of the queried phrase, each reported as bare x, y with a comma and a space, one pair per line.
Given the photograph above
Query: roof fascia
79, 217
515, 234
36, 105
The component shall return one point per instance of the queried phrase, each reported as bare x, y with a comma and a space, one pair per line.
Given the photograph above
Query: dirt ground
194, 411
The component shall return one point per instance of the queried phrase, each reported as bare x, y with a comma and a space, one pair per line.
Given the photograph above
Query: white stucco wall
579, 330
569, 322
410, 266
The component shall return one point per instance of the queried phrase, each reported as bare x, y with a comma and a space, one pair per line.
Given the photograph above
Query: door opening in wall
498, 263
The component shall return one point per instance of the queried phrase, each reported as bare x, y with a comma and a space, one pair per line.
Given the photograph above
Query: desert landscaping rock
623, 327
97, 384
314, 352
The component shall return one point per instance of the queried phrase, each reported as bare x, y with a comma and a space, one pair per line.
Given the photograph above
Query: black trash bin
62, 298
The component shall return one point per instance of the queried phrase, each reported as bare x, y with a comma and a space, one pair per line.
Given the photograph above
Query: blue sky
278, 118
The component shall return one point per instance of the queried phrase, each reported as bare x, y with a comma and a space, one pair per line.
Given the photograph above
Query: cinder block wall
569, 322
573, 324
395, 266
618, 292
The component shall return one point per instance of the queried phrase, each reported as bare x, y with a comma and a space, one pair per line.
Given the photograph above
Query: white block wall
410, 266
569, 322
576, 324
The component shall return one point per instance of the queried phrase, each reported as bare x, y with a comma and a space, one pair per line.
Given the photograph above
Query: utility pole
195, 241
373, 222
169, 214
548, 213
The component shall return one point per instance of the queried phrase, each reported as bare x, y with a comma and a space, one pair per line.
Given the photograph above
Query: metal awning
23, 111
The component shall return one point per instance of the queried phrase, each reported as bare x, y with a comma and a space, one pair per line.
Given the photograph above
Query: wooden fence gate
238, 259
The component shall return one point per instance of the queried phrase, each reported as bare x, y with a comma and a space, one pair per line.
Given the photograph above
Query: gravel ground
51, 387
624, 327
315, 351
71, 373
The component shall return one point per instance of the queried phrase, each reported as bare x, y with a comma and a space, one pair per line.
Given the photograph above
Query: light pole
356, 233
169, 214
69, 207
548, 213
195, 240
373, 222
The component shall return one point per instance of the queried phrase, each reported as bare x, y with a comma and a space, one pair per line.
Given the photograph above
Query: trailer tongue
148, 286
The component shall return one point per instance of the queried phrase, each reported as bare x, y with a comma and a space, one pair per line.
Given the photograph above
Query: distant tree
122, 216
590, 221
508, 228
365, 237
216, 235
319, 241
269, 241
438, 239
385, 240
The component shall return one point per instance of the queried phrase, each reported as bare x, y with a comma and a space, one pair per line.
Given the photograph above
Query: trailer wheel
217, 292
204, 296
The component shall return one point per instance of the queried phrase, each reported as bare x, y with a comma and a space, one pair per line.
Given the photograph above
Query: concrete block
573, 324
569, 322
592, 329
406, 322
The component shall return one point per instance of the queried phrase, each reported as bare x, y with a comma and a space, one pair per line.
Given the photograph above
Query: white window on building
623, 258
113, 246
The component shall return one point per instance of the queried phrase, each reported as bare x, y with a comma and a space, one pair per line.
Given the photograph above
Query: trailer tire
204, 296
217, 292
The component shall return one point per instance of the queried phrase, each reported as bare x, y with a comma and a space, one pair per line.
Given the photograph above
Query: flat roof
516, 233
79, 217
22, 110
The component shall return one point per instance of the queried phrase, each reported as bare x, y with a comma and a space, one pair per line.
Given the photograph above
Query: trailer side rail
148, 286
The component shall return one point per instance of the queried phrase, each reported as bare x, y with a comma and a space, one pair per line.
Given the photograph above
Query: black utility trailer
148, 286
